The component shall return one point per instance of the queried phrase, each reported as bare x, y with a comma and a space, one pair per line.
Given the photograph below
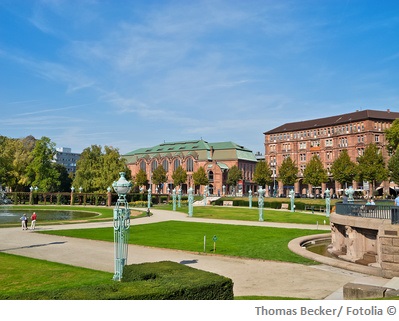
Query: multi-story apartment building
326, 138
64, 156
215, 158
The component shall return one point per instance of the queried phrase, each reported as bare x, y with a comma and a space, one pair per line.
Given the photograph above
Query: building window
154, 165
190, 165
210, 176
165, 165
176, 164
377, 138
143, 166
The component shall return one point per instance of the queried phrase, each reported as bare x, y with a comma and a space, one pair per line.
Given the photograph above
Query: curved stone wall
367, 241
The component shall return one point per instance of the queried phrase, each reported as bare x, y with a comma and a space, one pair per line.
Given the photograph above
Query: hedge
148, 281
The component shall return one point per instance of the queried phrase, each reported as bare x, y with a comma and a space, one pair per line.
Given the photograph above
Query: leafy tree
179, 176
111, 165
263, 174
371, 166
314, 173
22, 158
141, 178
392, 136
41, 170
234, 175
288, 171
159, 176
343, 169
64, 178
7, 152
199, 177
97, 170
393, 167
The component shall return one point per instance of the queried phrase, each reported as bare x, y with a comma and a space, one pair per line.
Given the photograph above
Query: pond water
13, 216
320, 247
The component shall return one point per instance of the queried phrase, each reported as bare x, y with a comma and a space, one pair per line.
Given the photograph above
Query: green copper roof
200, 149
172, 147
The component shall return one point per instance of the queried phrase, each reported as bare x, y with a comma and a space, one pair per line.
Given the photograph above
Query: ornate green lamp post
190, 201
174, 199
179, 198
121, 225
292, 198
261, 197
328, 202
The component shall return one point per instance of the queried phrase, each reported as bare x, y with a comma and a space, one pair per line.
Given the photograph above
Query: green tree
371, 166
233, 176
7, 153
263, 174
96, 169
314, 173
199, 177
141, 178
343, 169
288, 171
159, 176
64, 178
41, 170
179, 176
392, 136
393, 167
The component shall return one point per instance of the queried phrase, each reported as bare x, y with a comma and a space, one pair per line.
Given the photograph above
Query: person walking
24, 220
33, 221
397, 200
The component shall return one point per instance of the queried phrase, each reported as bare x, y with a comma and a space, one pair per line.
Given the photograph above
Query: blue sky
132, 74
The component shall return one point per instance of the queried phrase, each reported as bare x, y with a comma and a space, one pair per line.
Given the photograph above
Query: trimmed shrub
148, 281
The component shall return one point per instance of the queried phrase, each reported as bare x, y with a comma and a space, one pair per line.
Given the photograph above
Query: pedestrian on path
33, 223
24, 221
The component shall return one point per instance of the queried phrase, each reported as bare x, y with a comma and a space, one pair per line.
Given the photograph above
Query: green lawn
243, 241
22, 274
251, 214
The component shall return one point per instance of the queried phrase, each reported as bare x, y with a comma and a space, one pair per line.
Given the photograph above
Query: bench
284, 206
227, 203
314, 208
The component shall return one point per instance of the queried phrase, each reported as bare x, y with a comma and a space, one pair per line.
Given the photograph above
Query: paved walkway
250, 276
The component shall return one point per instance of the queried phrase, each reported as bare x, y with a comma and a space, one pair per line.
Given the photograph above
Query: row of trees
30, 162
370, 166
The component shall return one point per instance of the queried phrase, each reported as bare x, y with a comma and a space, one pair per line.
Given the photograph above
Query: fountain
3, 198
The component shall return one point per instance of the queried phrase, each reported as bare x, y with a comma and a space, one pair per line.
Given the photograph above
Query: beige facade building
326, 138
216, 159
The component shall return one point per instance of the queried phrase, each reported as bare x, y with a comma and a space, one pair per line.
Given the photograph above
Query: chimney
388, 110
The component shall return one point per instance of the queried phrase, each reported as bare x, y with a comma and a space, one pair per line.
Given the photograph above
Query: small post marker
215, 238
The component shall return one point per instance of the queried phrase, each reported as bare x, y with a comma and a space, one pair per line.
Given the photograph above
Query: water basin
8, 216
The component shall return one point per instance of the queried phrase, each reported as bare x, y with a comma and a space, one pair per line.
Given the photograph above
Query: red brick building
327, 137
215, 158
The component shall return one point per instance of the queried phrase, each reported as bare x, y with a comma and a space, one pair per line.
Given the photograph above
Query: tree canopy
199, 177
263, 174
314, 173
179, 176
392, 136
343, 169
41, 170
288, 171
393, 167
371, 166
234, 175
96, 169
